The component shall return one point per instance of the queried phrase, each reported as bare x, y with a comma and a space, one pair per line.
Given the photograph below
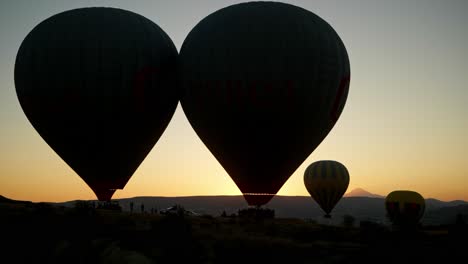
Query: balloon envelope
326, 181
263, 84
98, 84
405, 208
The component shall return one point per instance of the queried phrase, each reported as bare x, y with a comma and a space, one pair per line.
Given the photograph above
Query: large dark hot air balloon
98, 84
326, 181
405, 208
263, 84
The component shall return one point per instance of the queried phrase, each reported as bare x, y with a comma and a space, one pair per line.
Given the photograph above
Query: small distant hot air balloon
405, 208
263, 84
326, 181
98, 84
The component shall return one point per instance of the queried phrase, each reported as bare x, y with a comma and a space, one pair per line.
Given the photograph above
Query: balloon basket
257, 213
109, 205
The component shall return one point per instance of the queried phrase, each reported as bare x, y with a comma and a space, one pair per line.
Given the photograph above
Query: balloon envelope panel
99, 85
263, 84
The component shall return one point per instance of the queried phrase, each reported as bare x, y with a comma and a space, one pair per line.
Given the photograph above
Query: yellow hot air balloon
405, 208
326, 181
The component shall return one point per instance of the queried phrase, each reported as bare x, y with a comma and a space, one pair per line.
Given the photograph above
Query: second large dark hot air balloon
263, 84
98, 84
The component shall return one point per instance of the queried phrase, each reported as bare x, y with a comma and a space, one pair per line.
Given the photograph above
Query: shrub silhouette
348, 220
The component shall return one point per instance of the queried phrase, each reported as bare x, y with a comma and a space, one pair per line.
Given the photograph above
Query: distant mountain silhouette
446, 214
359, 192
434, 204
3, 199
362, 208
52, 233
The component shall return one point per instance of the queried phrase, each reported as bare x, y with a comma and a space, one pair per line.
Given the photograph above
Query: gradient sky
404, 126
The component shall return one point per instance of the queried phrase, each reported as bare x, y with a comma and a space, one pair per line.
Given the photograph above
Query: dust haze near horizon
404, 125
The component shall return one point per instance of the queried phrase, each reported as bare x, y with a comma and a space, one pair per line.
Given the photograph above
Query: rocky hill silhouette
303, 207
79, 232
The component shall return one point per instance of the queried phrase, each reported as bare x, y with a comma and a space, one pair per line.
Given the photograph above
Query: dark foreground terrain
42, 233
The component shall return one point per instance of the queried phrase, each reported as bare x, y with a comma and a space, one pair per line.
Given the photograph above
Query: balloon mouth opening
258, 199
104, 194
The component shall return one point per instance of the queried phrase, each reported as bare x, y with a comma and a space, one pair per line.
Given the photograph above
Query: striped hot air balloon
405, 208
326, 181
